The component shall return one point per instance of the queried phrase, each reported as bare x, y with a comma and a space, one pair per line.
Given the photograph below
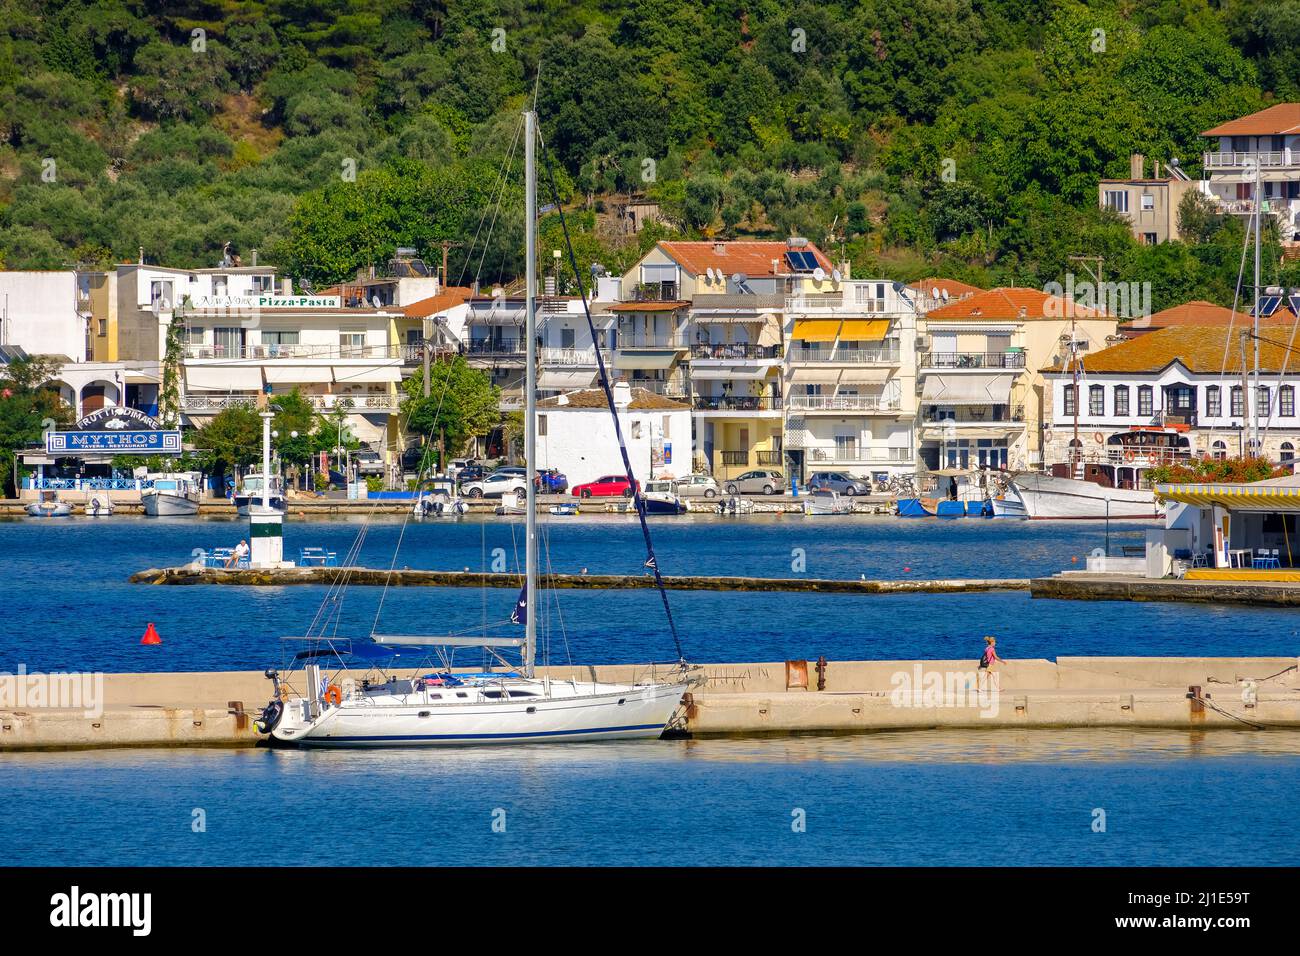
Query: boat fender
334, 695
270, 718
1096, 436
1128, 455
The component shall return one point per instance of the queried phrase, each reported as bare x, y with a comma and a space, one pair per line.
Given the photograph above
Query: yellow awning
1234, 497
816, 330
864, 330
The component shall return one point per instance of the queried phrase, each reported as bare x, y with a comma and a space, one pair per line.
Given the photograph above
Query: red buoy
151, 635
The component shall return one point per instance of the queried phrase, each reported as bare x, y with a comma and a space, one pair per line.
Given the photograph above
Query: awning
1234, 497
815, 376
630, 358
137, 377
565, 379
744, 373
865, 330
858, 375
939, 433
299, 374
968, 388
816, 330
368, 375
223, 378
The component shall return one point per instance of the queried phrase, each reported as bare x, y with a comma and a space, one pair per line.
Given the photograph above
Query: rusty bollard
821, 672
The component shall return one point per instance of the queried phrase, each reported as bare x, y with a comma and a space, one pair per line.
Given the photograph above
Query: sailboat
444, 707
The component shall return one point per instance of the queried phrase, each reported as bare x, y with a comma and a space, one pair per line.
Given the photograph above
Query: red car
606, 487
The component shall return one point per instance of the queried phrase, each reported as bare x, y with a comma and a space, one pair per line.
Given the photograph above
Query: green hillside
956, 136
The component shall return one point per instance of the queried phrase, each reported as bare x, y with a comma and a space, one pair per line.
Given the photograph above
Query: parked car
756, 482
551, 482
511, 470
494, 486
698, 486
368, 462
607, 486
471, 473
839, 483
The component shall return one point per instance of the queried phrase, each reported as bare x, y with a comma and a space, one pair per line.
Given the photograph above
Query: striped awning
968, 388
864, 330
223, 378
816, 330
1235, 496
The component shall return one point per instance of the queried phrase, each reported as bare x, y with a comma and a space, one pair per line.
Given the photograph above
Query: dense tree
27, 402
231, 440
462, 404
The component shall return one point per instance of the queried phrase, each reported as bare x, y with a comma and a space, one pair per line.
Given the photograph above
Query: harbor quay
219, 708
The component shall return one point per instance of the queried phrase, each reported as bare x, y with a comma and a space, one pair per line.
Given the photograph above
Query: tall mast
530, 390
1253, 398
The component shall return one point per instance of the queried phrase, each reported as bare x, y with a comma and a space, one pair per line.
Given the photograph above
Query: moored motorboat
1050, 496
168, 494
248, 498
49, 505
99, 504
823, 501
660, 498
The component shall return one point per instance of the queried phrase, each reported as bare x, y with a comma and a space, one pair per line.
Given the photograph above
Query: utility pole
1245, 393
1254, 397
446, 244
1076, 447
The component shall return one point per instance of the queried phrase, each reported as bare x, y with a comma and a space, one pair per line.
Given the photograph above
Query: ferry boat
170, 495
1107, 483
248, 499
444, 708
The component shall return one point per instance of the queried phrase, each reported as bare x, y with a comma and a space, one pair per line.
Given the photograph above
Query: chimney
1155, 169
252, 257
622, 394
286, 286
1135, 165
720, 248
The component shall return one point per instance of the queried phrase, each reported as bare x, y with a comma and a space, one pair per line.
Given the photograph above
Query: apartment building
1263, 145
44, 313
850, 376
1149, 204
982, 399
1186, 381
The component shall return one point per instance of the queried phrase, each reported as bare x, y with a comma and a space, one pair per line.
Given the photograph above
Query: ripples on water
937, 798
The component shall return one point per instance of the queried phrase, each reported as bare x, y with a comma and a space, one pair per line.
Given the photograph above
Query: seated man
240, 552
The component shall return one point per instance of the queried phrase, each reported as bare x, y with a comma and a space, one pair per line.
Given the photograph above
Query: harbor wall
218, 708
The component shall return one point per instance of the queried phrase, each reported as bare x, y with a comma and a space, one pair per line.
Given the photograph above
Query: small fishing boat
661, 499
99, 504
565, 509
49, 505
823, 501
735, 505
248, 499
440, 500
915, 508
170, 495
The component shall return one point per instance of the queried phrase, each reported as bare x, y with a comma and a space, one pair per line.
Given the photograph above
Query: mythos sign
114, 431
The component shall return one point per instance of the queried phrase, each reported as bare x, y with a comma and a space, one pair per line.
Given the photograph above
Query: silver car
757, 482
698, 486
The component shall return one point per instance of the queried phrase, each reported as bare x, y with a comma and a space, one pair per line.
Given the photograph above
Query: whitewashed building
44, 313
575, 434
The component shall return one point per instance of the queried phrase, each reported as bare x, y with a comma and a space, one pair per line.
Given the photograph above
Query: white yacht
171, 494
248, 498
447, 708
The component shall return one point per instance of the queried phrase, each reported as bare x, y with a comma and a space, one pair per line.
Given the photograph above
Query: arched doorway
99, 394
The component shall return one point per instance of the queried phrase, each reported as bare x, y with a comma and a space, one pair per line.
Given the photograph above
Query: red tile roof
956, 290
446, 299
751, 258
1203, 314
1274, 121
1012, 304
1201, 349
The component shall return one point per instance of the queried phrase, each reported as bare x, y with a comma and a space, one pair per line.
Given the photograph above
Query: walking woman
987, 663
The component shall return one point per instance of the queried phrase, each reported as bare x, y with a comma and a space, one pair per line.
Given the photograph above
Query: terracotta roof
751, 258
955, 289
646, 306
1010, 305
1201, 313
1201, 349
448, 298
1274, 121
642, 398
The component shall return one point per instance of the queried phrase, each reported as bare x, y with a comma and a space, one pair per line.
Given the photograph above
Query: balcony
737, 403
841, 356
655, 292
577, 357
375, 402
850, 456
770, 459
728, 303
835, 303
672, 389
736, 353
483, 348
1265, 159
297, 351
734, 458
842, 403
201, 402
973, 360
973, 416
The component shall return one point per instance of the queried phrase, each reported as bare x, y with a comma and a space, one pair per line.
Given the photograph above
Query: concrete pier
406, 577
1081, 586
217, 709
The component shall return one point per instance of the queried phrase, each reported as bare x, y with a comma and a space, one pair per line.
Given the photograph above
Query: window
541, 426
1219, 450
261, 283
566, 338
636, 430
1235, 404
1121, 400
160, 295
1213, 402
1116, 200
1286, 401
1180, 399
352, 344
103, 327
228, 342
1148, 202
1069, 403
1288, 452
846, 447
220, 285
1096, 400
1150, 239
667, 430
1262, 396
1146, 407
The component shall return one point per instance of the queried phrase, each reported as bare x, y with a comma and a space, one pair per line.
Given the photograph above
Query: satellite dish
835, 275
944, 293
709, 272
374, 300
739, 277
934, 292
819, 273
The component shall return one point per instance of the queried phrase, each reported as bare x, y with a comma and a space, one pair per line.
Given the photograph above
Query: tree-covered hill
960, 136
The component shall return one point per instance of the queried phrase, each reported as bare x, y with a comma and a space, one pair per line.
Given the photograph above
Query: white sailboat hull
162, 504
1045, 496
573, 711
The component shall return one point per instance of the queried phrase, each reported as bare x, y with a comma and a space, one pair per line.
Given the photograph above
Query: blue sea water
923, 798
67, 603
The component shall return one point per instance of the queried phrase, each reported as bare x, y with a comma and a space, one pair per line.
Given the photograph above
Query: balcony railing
736, 352
861, 456
297, 351
977, 415
626, 340
846, 403
1262, 158
733, 302
560, 356
973, 359
847, 356
204, 402
739, 403
655, 292
216, 403
659, 387
768, 457
496, 347
735, 458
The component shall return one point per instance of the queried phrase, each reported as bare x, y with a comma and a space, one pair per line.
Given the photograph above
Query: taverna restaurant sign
114, 431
